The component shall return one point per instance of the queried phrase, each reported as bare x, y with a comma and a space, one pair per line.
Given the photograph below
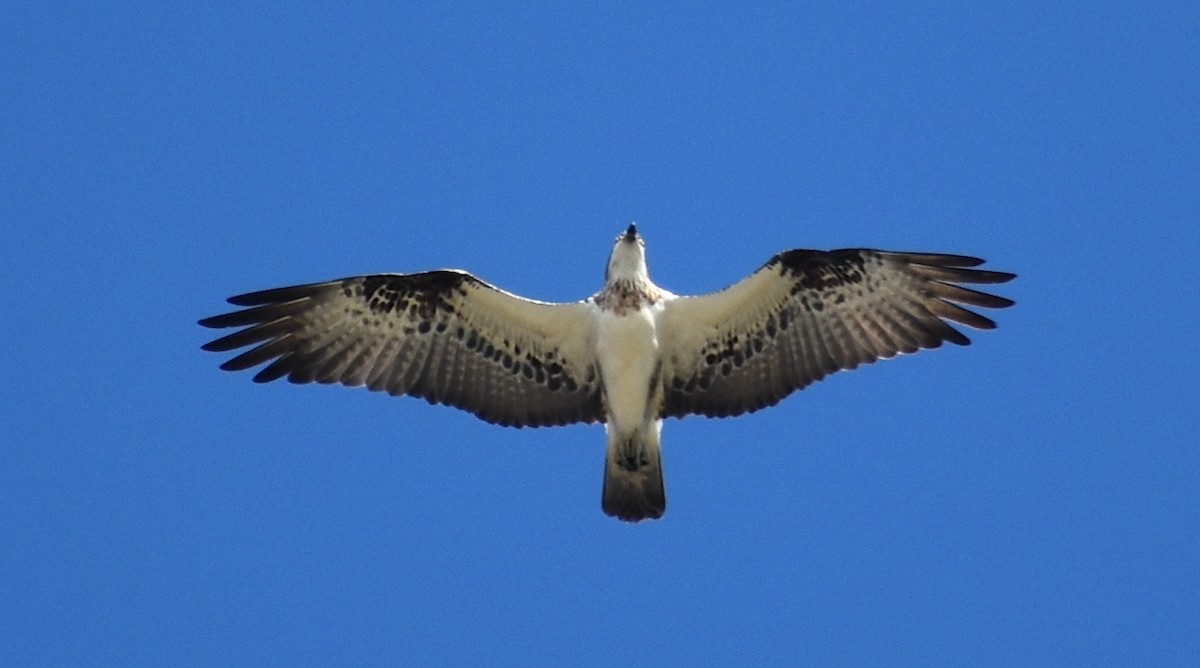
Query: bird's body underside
628, 356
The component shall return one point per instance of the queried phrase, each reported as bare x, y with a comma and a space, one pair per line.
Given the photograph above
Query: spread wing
806, 314
445, 336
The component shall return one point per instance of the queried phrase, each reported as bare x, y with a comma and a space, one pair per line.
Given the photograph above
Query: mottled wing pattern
445, 336
806, 314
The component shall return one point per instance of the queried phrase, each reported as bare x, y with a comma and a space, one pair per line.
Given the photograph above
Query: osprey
628, 356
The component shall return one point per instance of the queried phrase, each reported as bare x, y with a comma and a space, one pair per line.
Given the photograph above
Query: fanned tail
633, 477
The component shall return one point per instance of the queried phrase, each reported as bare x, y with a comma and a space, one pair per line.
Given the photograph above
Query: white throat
627, 263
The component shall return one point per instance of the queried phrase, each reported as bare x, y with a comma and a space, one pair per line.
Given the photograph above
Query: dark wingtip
248, 299
631, 233
989, 276
962, 261
214, 321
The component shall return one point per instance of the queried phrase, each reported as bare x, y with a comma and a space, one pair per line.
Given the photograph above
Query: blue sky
1028, 500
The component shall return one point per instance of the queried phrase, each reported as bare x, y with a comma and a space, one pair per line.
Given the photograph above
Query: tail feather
633, 484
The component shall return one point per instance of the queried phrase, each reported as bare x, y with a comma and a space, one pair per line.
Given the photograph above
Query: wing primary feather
249, 336
331, 369
957, 293
255, 356
944, 309
912, 326
310, 362
947, 333
935, 259
258, 314
279, 295
304, 370
959, 275
277, 369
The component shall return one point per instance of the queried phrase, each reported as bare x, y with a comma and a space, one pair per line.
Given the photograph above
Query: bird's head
627, 263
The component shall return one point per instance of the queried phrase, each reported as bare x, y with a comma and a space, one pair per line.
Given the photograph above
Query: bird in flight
628, 356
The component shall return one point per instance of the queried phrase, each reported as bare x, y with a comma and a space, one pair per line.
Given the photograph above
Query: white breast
627, 350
